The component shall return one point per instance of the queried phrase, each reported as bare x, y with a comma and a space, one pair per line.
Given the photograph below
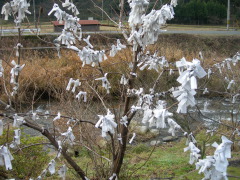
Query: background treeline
187, 12
206, 11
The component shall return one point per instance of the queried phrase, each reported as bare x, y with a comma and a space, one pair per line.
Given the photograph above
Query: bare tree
112, 123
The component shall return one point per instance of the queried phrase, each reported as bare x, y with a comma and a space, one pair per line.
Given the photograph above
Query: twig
37, 144
105, 13
97, 153
98, 96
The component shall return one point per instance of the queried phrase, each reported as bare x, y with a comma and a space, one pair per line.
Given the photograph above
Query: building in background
87, 25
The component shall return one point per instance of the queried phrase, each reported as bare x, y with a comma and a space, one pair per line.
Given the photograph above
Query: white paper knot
107, 123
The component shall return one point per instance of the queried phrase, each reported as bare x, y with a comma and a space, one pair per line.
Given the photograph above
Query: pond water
217, 109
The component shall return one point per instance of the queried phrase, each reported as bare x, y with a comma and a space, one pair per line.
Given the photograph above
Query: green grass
167, 160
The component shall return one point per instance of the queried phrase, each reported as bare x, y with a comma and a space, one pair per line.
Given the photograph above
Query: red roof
82, 22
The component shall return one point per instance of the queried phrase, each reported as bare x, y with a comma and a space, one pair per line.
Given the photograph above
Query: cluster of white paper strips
72, 29
17, 8
152, 62
146, 28
107, 123
52, 170
5, 155
189, 72
213, 167
76, 83
15, 73
158, 116
227, 64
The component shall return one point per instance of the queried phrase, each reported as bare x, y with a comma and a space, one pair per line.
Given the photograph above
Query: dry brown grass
45, 72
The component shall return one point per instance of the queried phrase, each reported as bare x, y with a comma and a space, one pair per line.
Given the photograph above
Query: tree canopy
187, 12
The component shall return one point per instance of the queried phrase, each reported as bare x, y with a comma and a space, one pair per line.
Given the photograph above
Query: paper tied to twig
18, 121
69, 135
39, 178
18, 8
135, 39
230, 84
157, 116
43, 175
105, 82
185, 99
151, 24
174, 3
237, 131
15, 71
5, 157
173, 126
116, 48
236, 58
209, 72
194, 152
71, 6
135, 108
6, 10
200, 55
124, 121
82, 94
107, 123
222, 153
147, 114
1, 127
190, 138
206, 166
124, 80
67, 38
57, 117
51, 167
227, 61
187, 79
119, 137
133, 92
57, 12
87, 40
138, 8
133, 137
113, 51
1, 69
76, 83
59, 148
72, 29
16, 139
34, 116
19, 45
62, 171
211, 131
71, 120
205, 91
89, 56
113, 176
153, 62
219, 67
182, 64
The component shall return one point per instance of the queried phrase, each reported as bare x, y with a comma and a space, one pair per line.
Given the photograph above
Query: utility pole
228, 15
34, 14
102, 10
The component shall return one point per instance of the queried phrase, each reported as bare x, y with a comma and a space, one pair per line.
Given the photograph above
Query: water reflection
218, 109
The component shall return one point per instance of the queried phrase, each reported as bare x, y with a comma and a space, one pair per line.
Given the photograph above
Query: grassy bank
144, 162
